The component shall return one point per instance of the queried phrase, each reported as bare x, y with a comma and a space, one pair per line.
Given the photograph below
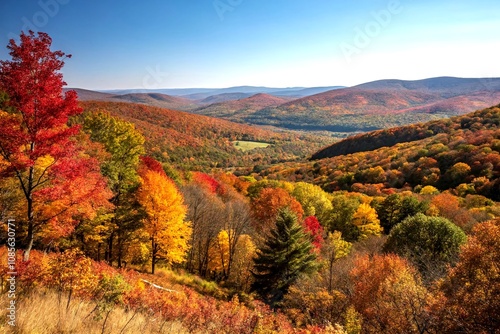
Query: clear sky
275, 43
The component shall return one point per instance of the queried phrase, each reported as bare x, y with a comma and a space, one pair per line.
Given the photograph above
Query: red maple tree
35, 139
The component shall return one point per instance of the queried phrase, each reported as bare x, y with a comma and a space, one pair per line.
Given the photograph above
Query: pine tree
284, 256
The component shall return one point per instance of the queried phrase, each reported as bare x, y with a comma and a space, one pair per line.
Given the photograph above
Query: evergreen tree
284, 256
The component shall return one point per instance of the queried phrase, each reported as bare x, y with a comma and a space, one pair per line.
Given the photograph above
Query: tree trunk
153, 255
30, 231
29, 199
120, 238
109, 252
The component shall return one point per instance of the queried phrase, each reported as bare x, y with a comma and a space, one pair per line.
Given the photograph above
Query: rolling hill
382, 104
158, 100
220, 97
152, 99
199, 142
369, 106
461, 153
237, 110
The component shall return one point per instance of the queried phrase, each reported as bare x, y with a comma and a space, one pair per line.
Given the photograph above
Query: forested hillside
382, 104
460, 153
109, 226
194, 141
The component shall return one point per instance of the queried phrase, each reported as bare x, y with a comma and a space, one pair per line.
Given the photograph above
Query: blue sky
277, 43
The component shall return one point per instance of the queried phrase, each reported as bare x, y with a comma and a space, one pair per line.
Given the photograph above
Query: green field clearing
249, 145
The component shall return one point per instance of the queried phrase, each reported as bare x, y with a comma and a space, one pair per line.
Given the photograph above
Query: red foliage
207, 181
36, 142
34, 87
315, 230
152, 164
266, 207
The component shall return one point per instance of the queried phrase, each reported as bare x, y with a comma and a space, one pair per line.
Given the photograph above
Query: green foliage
395, 208
109, 292
285, 255
122, 141
125, 145
429, 242
314, 200
340, 217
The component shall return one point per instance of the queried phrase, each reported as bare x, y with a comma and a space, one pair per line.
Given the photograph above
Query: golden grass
47, 314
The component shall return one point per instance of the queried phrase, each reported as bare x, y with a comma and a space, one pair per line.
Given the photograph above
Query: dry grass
47, 314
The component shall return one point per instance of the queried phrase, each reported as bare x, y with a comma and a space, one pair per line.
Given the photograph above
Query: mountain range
369, 106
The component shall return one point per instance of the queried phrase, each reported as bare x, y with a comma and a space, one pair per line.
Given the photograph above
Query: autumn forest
123, 217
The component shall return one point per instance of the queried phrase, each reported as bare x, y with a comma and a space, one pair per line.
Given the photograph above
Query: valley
339, 210
365, 107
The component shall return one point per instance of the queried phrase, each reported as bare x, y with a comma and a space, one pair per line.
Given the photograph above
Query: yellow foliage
163, 204
44, 162
353, 321
336, 247
218, 253
366, 219
429, 190
245, 251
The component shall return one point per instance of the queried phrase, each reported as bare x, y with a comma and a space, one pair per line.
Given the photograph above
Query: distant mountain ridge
382, 104
365, 107
201, 93
151, 99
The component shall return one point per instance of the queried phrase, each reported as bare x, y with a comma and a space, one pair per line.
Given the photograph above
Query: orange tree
472, 289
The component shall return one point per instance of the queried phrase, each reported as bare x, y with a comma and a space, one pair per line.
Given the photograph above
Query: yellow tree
245, 251
365, 218
218, 254
164, 217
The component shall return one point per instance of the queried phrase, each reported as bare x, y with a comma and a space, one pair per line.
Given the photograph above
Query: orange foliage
449, 207
388, 294
471, 301
70, 271
270, 201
